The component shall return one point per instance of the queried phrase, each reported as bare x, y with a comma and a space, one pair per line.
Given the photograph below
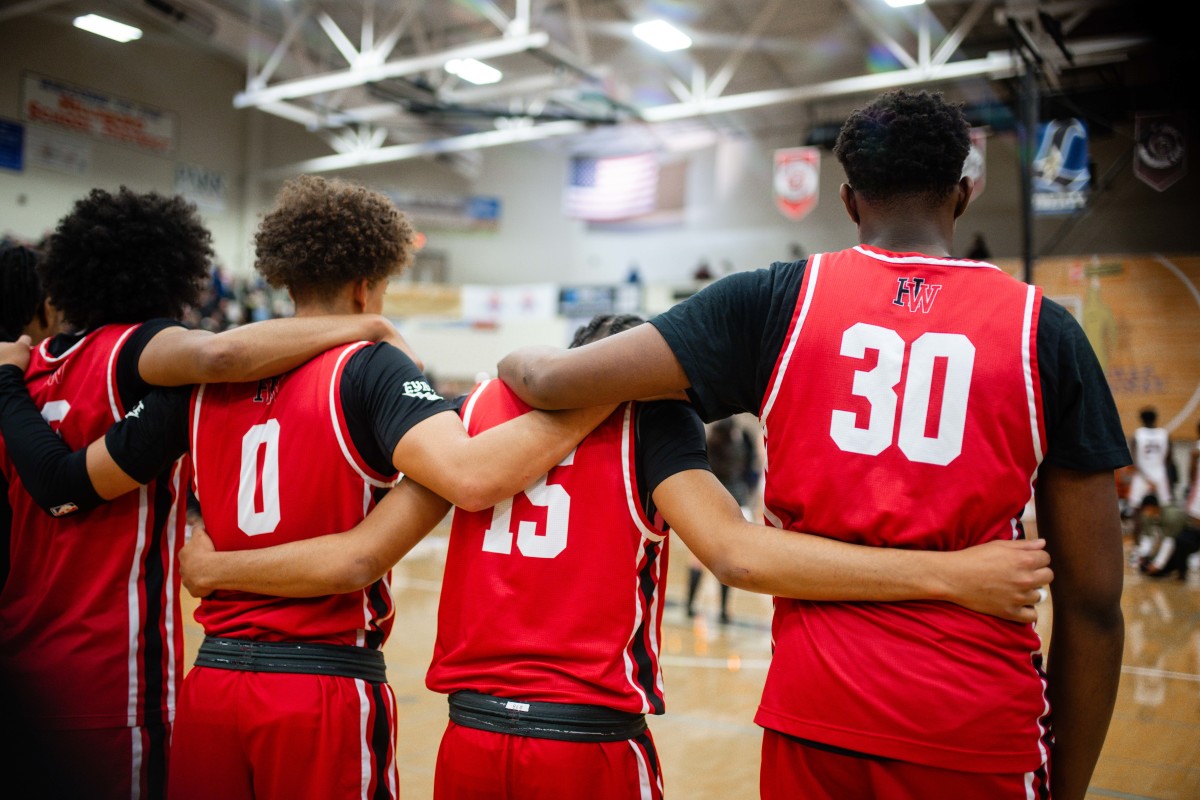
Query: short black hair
604, 325
21, 294
905, 143
322, 233
126, 257
1149, 417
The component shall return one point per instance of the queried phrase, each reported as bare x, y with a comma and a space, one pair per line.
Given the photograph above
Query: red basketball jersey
275, 463
906, 401
90, 625
556, 594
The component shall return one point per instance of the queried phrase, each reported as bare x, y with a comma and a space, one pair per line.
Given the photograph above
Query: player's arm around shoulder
997, 578
63, 482
633, 364
176, 356
477, 472
335, 563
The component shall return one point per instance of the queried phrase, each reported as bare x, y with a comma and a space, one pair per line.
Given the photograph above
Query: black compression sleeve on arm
54, 476
153, 435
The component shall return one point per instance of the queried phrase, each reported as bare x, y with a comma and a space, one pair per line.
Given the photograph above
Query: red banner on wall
1160, 152
797, 174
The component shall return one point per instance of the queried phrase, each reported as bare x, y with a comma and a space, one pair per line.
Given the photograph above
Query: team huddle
904, 441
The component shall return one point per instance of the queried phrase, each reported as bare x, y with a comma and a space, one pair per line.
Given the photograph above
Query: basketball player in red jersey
24, 311
90, 629
550, 616
909, 399
281, 683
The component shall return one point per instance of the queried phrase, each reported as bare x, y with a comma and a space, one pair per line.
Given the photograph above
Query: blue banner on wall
1061, 174
12, 145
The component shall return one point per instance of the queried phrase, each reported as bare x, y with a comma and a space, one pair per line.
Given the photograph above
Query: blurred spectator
979, 250
231, 301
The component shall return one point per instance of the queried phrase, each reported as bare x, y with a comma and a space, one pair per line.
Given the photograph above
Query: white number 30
878, 387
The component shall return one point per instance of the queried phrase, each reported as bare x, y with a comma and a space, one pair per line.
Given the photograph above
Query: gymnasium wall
1142, 316
196, 87
729, 219
1136, 295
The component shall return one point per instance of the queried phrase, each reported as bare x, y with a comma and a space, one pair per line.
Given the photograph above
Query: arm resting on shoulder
997, 578
54, 476
331, 564
178, 356
476, 472
62, 481
1077, 516
630, 365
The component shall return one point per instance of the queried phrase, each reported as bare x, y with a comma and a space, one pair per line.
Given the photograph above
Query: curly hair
126, 257
21, 294
604, 325
904, 143
322, 233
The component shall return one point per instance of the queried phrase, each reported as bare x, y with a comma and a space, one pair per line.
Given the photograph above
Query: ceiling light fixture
903, 3
663, 35
473, 71
110, 29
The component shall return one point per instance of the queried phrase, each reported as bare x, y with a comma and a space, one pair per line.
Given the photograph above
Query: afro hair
323, 233
126, 257
904, 143
21, 294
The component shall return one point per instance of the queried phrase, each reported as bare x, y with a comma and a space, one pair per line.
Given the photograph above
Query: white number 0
498, 538
250, 520
878, 387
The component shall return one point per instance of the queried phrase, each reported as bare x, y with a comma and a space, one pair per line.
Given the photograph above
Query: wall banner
975, 167
1160, 152
12, 145
1061, 175
49, 149
797, 179
444, 212
97, 114
207, 188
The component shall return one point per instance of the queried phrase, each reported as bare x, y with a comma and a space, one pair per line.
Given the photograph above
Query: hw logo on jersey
916, 294
268, 388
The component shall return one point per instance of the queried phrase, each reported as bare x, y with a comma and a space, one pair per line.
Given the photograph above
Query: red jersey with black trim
91, 631
275, 463
907, 393
556, 594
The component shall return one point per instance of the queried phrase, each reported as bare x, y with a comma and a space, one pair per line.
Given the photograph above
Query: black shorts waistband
303, 658
565, 722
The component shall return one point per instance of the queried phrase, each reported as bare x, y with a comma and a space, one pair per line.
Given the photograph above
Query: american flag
606, 189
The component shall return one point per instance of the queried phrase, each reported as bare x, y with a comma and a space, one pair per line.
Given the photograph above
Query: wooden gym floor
707, 741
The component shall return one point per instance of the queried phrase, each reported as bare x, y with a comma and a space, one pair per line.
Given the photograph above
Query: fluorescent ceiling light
662, 34
903, 3
473, 71
111, 29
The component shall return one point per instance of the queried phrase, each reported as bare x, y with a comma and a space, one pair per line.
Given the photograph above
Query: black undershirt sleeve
130, 385
153, 435
384, 395
1083, 428
727, 337
670, 439
55, 477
